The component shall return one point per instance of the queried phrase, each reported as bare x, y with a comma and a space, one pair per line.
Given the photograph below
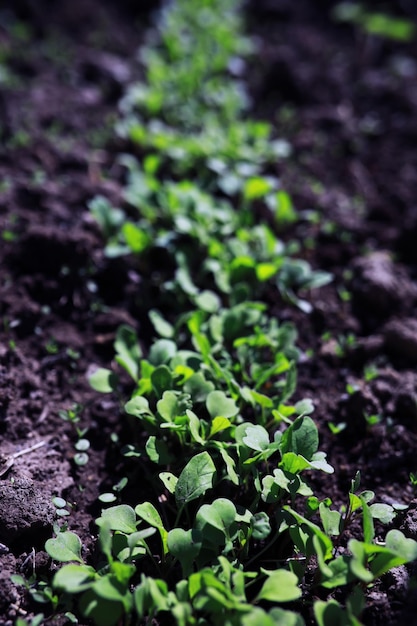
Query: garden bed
346, 104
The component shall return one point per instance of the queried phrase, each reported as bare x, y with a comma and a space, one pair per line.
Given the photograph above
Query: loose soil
347, 103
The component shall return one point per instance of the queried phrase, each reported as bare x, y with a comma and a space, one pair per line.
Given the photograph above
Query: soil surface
347, 103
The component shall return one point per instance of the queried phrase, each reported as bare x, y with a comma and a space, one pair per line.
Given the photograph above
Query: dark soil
347, 103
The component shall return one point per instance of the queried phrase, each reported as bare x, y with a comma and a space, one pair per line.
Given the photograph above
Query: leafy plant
231, 531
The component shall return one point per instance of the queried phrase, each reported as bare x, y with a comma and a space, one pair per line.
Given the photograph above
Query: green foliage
65, 547
375, 23
193, 92
232, 531
195, 479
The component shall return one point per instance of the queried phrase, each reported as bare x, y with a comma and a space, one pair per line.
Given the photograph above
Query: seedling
231, 532
72, 415
61, 506
370, 372
51, 347
81, 456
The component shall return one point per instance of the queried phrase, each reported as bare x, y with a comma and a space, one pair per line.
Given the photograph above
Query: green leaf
265, 271
181, 373
19, 580
383, 562
304, 407
318, 462
158, 451
261, 527
198, 387
219, 405
383, 512
101, 610
110, 587
214, 520
137, 406
218, 425
272, 486
275, 617
185, 545
313, 529
257, 438
66, 546
194, 424
358, 563
74, 578
109, 218
126, 547
329, 613
161, 379
301, 438
150, 596
162, 351
368, 523
320, 549
230, 466
398, 543
285, 618
388, 26
280, 586
195, 479
162, 327
208, 301
256, 187
209, 594
331, 520
355, 483
200, 340
256, 617
284, 212
136, 239
121, 517
103, 380
128, 350
144, 384
106, 539
168, 406
340, 573
355, 502
367, 496
290, 381
148, 512
256, 398
293, 463
169, 480
184, 280
107, 497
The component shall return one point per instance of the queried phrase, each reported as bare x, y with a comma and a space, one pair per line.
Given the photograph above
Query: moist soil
347, 104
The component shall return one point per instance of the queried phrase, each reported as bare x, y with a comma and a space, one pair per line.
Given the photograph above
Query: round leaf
280, 586
103, 380
219, 405
257, 438
66, 546
162, 351
185, 545
121, 517
74, 578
